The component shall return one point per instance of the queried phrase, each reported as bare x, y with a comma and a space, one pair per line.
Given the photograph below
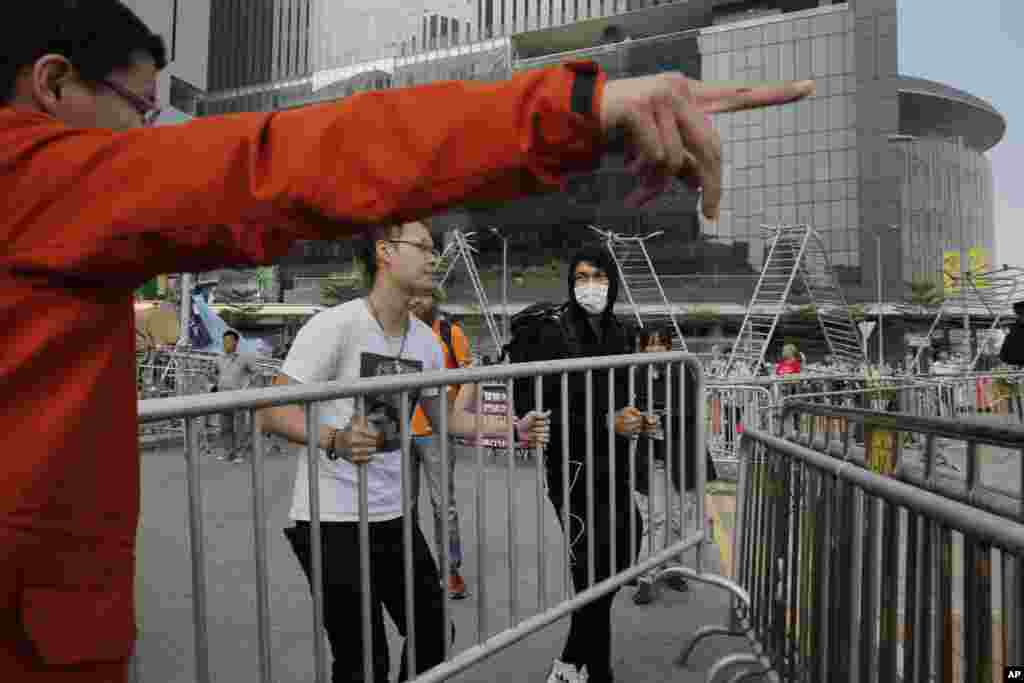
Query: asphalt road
647, 639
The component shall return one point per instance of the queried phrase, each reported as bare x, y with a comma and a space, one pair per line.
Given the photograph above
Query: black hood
599, 257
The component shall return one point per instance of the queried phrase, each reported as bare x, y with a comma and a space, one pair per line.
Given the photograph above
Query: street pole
504, 286
506, 324
185, 309
963, 247
185, 313
881, 313
905, 216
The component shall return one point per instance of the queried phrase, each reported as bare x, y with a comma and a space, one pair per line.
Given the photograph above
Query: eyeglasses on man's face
149, 111
425, 248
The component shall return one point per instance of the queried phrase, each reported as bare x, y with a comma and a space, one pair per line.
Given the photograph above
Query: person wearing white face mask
592, 297
586, 326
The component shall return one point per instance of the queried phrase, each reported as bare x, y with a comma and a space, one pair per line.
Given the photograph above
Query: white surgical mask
593, 298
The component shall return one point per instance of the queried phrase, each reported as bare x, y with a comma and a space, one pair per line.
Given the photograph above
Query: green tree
264, 281
857, 313
703, 314
342, 286
926, 294
808, 313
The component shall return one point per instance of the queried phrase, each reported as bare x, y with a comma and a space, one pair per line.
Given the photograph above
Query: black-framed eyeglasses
149, 111
425, 248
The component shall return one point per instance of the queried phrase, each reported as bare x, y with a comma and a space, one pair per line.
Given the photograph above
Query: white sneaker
567, 673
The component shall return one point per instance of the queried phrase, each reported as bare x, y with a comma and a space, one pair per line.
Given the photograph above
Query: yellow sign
951, 272
881, 454
978, 262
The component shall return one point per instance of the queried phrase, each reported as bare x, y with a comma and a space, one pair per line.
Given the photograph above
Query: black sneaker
644, 593
677, 583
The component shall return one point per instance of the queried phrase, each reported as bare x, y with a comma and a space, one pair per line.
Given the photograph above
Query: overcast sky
978, 47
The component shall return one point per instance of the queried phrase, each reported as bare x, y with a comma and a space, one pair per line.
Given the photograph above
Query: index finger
703, 143
724, 96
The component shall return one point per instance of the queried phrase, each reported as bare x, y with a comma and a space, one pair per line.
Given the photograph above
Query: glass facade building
796, 163
947, 205
880, 164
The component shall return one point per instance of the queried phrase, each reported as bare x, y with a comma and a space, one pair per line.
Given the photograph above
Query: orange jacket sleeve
94, 204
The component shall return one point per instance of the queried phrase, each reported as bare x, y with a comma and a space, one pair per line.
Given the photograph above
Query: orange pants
78, 639
19, 662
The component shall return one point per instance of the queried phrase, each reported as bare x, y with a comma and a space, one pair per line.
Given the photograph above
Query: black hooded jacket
615, 338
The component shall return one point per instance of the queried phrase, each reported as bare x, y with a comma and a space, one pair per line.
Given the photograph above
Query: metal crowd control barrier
731, 409
757, 403
174, 371
519, 625
995, 394
864, 564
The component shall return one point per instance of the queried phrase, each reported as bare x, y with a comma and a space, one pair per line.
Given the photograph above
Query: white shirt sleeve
438, 356
313, 355
434, 361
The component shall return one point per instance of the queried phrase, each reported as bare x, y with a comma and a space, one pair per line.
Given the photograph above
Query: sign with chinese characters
978, 261
495, 410
881, 447
951, 272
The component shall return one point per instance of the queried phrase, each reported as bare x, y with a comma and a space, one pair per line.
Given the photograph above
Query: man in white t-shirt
373, 337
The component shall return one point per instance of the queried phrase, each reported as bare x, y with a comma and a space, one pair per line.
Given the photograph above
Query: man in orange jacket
95, 203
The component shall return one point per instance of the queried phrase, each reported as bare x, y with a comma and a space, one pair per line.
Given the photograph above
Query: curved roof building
935, 110
946, 197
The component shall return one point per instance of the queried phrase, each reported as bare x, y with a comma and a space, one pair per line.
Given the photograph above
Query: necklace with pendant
398, 368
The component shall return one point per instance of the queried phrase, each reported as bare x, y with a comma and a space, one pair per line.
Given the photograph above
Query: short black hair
97, 36
367, 249
232, 333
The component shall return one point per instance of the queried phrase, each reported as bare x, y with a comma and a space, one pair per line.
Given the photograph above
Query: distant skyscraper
504, 17
260, 42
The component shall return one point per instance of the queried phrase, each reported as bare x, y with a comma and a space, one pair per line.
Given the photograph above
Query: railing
310, 282
864, 563
172, 371
731, 409
540, 380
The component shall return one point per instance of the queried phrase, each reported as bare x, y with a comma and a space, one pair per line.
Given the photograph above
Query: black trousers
342, 595
590, 629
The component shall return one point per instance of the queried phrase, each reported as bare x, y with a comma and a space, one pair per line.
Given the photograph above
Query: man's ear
382, 251
48, 76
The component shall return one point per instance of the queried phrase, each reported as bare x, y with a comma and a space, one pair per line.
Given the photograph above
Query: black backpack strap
572, 339
445, 328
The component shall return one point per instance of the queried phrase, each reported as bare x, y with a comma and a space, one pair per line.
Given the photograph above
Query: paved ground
647, 639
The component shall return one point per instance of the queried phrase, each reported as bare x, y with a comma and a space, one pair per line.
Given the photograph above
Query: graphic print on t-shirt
384, 410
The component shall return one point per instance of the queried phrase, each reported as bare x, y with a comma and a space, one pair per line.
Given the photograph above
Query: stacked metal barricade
879, 545
166, 371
